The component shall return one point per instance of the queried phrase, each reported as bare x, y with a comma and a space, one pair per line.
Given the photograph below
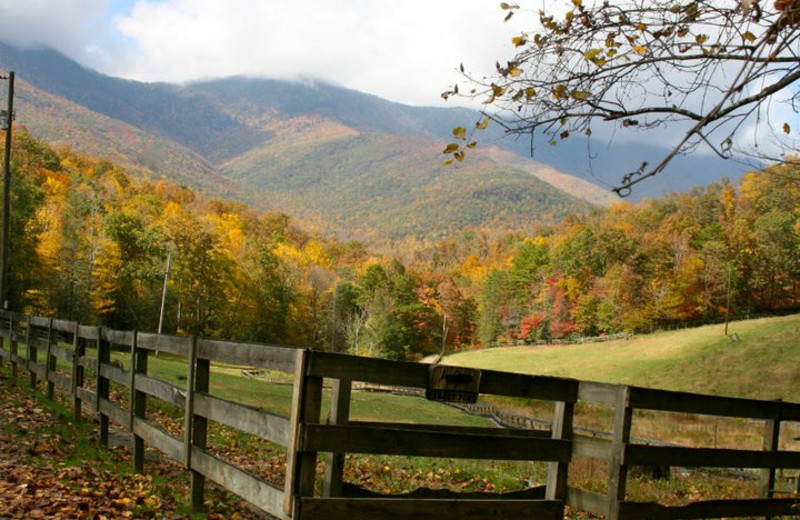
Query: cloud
66, 25
404, 50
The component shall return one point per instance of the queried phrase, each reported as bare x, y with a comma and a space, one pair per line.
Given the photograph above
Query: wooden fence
307, 437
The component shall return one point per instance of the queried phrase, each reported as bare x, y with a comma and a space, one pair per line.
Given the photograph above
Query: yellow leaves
481, 125
450, 148
560, 92
591, 54
580, 95
519, 41
786, 128
640, 50
701, 38
459, 133
749, 37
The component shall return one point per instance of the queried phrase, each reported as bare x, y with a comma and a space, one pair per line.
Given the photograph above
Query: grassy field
763, 364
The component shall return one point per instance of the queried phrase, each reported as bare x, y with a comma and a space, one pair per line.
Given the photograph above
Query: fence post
558, 472
132, 379
139, 403
3, 338
78, 351
772, 432
50, 365
14, 344
301, 465
102, 387
618, 472
201, 383
340, 415
33, 353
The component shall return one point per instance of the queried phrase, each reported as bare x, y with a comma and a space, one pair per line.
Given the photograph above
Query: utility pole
6, 121
164, 293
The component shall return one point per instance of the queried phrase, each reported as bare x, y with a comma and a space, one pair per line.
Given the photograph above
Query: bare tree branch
641, 64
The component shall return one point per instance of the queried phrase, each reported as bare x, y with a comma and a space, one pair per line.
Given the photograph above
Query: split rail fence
36, 344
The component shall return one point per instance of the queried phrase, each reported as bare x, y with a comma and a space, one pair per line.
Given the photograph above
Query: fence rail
307, 437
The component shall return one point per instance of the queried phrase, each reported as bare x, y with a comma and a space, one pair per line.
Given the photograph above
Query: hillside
226, 137
329, 173
764, 363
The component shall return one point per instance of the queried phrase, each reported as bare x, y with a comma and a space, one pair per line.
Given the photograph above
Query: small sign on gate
453, 384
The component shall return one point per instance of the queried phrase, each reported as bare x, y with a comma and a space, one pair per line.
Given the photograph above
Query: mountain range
347, 163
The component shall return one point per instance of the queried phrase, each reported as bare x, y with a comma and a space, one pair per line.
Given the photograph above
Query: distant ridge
353, 164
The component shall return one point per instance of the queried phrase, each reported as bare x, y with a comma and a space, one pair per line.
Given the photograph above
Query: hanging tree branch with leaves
713, 66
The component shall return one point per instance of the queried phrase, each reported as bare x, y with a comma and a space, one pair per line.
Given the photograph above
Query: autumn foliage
90, 243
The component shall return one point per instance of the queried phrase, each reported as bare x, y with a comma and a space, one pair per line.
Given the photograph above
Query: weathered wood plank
685, 402
117, 337
355, 439
446, 428
62, 381
709, 509
591, 447
61, 353
85, 395
256, 491
90, 333
533, 387
293, 456
65, 326
642, 455
370, 370
557, 472
158, 438
199, 431
87, 362
598, 392
116, 413
157, 388
138, 399
40, 343
406, 373
403, 509
532, 493
339, 414
189, 416
265, 425
588, 501
255, 355
16, 358
36, 368
115, 374
161, 343
38, 321
618, 470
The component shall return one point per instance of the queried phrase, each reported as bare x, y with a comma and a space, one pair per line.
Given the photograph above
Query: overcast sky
402, 50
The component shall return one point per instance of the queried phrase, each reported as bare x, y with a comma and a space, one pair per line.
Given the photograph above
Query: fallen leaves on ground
45, 472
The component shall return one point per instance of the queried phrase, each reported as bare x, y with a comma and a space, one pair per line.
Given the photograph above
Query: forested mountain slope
226, 137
